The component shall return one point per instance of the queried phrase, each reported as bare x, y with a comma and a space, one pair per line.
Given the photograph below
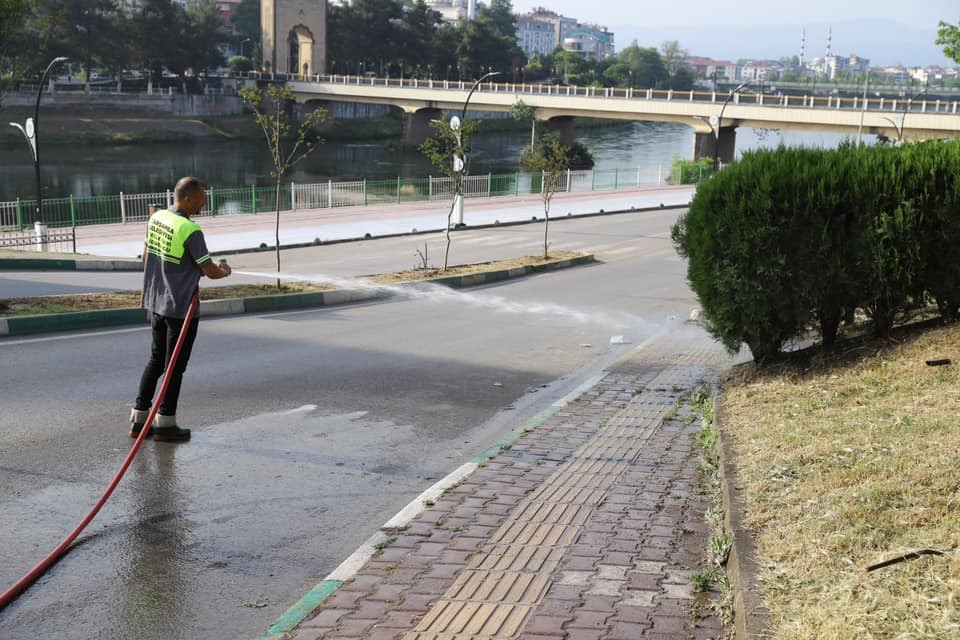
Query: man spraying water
175, 257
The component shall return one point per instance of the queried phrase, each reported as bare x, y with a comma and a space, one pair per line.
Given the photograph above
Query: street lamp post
242, 42
30, 131
459, 159
717, 122
898, 119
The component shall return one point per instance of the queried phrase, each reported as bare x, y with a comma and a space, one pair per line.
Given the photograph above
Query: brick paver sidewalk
590, 528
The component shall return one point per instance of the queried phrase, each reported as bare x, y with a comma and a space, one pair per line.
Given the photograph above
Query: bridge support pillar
705, 145
416, 126
564, 126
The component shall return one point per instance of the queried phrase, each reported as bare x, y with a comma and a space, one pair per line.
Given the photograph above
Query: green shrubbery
689, 171
792, 239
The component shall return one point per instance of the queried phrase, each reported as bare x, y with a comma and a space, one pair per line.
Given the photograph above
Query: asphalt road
311, 428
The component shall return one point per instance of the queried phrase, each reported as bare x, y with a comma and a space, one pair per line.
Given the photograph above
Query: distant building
714, 69
590, 41
453, 10
562, 25
835, 66
761, 70
536, 37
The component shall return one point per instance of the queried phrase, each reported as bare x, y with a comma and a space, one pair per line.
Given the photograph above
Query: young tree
948, 37
275, 122
448, 151
552, 159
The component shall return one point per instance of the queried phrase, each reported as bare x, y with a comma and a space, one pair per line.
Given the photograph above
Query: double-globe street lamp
717, 122
30, 131
459, 158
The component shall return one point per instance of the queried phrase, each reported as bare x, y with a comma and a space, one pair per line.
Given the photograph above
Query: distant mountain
884, 42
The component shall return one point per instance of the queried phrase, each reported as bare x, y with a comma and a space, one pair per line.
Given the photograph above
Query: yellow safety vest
167, 235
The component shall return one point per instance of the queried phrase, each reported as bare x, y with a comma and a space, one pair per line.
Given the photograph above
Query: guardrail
137, 207
884, 103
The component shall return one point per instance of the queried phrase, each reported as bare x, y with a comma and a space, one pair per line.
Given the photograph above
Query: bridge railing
257, 199
753, 97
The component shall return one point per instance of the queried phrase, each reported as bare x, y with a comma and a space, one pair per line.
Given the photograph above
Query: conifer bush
787, 241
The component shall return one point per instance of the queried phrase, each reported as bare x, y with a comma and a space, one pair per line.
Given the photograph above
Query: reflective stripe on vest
167, 235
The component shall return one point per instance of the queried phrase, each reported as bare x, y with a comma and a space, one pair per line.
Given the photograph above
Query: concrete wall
188, 105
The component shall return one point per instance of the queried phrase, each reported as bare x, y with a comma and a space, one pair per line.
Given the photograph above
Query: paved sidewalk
588, 527
238, 232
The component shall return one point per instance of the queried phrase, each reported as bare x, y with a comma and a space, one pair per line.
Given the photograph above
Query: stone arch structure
294, 36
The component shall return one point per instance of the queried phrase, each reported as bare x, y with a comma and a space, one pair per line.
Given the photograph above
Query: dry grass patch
126, 299
843, 467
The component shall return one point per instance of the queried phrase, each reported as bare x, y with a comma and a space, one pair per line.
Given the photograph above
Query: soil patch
127, 299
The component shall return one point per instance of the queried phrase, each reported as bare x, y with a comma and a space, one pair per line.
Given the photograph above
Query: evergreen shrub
789, 240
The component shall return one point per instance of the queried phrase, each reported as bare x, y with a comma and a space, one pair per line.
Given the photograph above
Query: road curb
25, 325
348, 569
749, 617
57, 264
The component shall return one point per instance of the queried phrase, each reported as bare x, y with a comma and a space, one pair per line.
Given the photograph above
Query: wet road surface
311, 429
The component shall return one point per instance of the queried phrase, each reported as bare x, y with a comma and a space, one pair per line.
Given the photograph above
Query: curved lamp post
898, 119
716, 122
31, 132
459, 159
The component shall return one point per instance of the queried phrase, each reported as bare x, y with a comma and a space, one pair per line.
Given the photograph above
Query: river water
83, 171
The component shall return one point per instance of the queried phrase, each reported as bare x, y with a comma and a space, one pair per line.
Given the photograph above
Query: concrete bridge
713, 116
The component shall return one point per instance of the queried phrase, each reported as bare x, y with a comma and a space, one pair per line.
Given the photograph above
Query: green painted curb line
296, 614
37, 263
299, 611
507, 441
283, 302
461, 282
23, 325
68, 264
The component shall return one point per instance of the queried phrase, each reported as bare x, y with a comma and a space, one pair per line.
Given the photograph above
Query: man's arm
198, 247
215, 271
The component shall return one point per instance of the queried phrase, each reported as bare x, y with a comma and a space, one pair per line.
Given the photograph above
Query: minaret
829, 41
803, 44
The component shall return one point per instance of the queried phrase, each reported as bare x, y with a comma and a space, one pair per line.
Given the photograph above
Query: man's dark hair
187, 187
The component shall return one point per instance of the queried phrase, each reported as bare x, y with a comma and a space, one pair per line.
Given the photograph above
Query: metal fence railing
59, 240
136, 207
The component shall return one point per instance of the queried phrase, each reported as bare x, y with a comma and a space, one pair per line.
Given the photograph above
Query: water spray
441, 293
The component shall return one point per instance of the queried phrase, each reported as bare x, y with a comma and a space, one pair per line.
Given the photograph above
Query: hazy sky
921, 14
887, 32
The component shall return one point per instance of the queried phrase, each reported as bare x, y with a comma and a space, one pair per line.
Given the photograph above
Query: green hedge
789, 239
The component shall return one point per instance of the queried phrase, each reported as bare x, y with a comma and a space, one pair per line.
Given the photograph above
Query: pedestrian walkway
247, 231
589, 526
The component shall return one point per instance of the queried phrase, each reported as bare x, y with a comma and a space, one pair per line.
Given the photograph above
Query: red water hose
11, 594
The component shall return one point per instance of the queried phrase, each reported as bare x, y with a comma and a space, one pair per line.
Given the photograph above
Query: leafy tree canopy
948, 37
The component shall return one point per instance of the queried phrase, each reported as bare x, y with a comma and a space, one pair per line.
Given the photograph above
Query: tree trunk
446, 251
546, 226
276, 230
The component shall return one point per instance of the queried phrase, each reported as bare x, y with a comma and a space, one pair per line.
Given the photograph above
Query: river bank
92, 124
